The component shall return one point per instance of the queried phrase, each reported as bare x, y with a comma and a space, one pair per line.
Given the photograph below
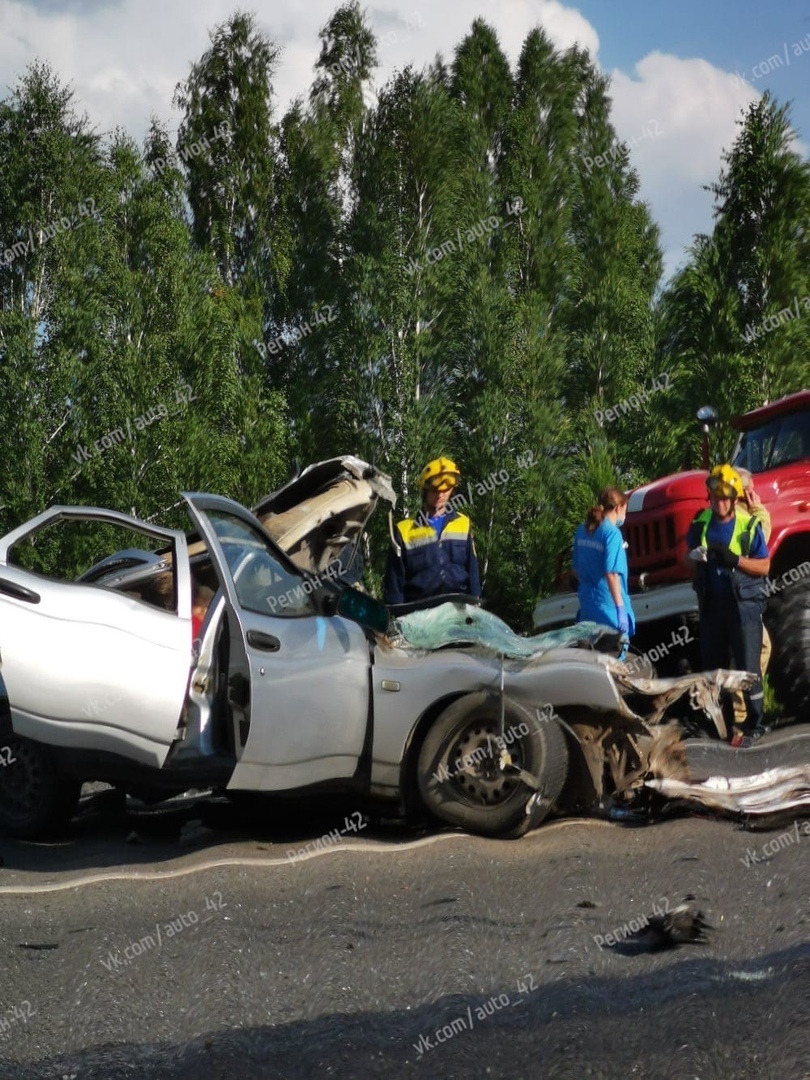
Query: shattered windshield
457, 624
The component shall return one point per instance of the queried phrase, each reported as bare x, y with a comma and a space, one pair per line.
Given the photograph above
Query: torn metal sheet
769, 792
704, 690
325, 509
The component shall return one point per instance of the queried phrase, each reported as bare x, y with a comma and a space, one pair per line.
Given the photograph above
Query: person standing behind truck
753, 503
600, 566
730, 560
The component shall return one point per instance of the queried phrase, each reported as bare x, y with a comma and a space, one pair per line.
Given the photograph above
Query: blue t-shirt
438, 521
596, 554
718, 577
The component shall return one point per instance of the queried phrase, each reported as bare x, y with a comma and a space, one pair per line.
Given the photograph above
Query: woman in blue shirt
600, 563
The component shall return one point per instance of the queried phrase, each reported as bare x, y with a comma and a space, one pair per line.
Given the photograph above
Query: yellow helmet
725, 482
440, 474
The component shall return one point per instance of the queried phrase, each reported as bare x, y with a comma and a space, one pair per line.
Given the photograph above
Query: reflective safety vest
431, 563
744, 525
746, 587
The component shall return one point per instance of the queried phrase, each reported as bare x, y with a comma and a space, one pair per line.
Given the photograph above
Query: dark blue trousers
731, 634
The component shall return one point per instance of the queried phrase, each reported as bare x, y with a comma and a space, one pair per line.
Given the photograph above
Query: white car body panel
309, 696
309, 711
117, 668
560, 677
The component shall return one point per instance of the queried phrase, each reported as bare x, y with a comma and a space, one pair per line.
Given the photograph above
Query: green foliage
755, 265
128, 374
227, 142
434, 268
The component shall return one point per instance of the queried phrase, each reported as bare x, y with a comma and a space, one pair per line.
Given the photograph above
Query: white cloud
565, 26
125, 58
689, 110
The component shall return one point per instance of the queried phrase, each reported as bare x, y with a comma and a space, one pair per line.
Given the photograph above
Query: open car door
298, 681
90, 667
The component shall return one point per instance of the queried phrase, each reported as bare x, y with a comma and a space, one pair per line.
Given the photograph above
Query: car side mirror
363, 609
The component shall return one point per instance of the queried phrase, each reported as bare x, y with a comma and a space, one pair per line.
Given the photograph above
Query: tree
123, 353
733, 325
50, 179
228, 143
318, 196
761, 232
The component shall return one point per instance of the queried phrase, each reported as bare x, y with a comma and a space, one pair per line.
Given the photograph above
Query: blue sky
682, 73
736, 35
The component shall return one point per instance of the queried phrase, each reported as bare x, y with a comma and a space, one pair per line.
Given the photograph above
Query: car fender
412, 689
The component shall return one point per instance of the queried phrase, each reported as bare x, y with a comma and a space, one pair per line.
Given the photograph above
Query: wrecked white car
294, 682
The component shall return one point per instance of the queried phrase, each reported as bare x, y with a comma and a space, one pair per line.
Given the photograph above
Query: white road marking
366, 846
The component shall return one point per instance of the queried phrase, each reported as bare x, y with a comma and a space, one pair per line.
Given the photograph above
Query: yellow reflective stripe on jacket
415, 535
744, 525
459, 528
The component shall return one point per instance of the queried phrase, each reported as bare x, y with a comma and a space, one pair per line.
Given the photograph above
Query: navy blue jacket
431, 564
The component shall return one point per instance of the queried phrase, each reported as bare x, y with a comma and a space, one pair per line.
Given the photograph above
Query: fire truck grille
652, 543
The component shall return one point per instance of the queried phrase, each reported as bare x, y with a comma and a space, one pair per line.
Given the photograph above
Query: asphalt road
397, 954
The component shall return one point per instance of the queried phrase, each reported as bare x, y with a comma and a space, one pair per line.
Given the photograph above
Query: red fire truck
774, 445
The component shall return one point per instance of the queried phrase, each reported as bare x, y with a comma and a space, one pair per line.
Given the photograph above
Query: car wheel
789, 668
469, 775
34, 797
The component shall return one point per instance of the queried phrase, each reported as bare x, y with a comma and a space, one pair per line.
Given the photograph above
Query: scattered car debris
684, 925
767, 793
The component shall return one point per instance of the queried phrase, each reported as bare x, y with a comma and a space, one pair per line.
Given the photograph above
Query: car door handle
19, 592
265, 642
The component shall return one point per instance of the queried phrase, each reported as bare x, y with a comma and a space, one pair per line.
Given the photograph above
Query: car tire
459, 775
35, 799
789, 668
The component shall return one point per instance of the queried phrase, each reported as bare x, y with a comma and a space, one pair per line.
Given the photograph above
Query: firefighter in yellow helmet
753, 504
434, 553
730, 558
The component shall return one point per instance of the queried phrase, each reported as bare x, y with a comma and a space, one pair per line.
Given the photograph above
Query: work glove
624, 620
723, 554
698, 554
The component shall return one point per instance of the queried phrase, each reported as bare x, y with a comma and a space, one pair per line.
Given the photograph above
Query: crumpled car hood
324, 510
464, 624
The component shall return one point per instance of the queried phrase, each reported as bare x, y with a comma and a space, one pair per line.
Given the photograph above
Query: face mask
619, 522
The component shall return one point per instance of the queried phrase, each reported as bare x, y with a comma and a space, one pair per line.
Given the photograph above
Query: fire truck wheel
789, 669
